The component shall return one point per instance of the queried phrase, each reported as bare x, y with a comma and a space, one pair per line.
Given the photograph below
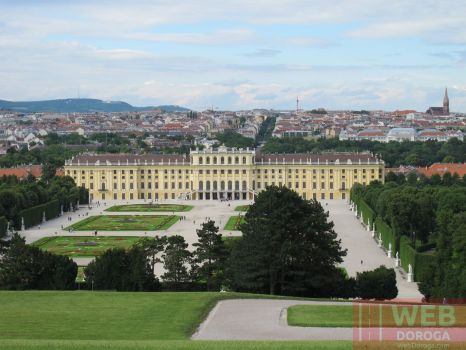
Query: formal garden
78, 246
150, 207
125, 223
234, 223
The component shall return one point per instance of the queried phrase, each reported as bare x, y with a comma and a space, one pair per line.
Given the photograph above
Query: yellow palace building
223, 173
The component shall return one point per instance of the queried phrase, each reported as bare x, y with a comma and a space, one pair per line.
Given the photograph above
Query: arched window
236, 160
214, 160
253, 185
215, 185
207, 160
229, 160
237, 185
200, 160
245, 186
222, 185
201, 186
222, 160
207, 185
244, 160
103, 187
230, 185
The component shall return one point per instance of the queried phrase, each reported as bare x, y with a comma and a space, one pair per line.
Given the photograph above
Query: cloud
263, 53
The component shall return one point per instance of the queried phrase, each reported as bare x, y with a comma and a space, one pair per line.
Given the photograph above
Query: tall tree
210, 255
176, 261
153, 248
288, 246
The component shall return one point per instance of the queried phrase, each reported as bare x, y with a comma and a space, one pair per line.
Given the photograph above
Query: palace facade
223, 173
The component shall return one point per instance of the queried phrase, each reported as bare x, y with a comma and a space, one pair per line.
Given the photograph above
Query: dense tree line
394, 154
24, 266
432, 214
233, 139
16, 195
54, 155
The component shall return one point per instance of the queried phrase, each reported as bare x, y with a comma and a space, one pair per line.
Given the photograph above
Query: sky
233, 55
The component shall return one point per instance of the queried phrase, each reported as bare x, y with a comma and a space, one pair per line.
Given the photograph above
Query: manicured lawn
150, 207
111, 320
234, 222
125, 223
172, 345
242, 208
320, 315
76, 246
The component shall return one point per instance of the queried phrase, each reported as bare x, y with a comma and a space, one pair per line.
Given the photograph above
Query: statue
410, 273
44, 219
389, 253
61, 210
23, 227
397, 255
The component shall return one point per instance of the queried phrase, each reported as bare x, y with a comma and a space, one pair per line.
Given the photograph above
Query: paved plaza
360, 244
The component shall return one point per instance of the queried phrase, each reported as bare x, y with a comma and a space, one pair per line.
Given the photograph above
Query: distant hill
80, 105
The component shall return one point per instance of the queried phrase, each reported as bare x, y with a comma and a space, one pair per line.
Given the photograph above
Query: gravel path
263, 319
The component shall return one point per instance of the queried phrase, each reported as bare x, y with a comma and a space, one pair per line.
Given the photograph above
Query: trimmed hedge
364, 209
33, 216
387, 235
3, 226
419, 261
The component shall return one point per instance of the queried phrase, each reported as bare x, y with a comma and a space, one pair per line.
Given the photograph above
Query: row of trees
24, 266
17, 195
394, 154
432, 214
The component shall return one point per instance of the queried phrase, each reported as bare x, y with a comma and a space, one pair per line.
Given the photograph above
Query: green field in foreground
320, 315
172, 345
111, 320
75, 246
242, 208
150, 208
125, 223
234, 222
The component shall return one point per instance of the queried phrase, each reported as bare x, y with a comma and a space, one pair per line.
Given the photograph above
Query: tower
446, 103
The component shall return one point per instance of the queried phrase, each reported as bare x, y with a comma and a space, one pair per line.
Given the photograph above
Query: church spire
446, 103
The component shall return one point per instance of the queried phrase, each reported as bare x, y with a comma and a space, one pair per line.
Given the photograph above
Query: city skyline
352, 55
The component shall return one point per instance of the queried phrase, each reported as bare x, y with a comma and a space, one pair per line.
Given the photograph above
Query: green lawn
125, 223
150, 208
320, 315
234, 222
110, 320
172, 345
78, 246
242, 208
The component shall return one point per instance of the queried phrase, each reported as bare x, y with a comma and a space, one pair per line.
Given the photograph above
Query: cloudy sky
337, 54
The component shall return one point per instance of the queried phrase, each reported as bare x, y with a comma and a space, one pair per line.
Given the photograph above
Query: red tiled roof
23, 171
442, 168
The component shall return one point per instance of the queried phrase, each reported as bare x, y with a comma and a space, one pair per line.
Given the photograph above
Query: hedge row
419, 261
3, 226
33, 216
387, 235
363, 208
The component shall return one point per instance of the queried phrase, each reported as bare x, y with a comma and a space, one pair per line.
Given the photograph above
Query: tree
28, 267
48, 171
121, 270
210, 255
153, 247
176, 260
379, 284
288, 247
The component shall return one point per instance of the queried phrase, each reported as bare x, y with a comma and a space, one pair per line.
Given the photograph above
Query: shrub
379, 284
